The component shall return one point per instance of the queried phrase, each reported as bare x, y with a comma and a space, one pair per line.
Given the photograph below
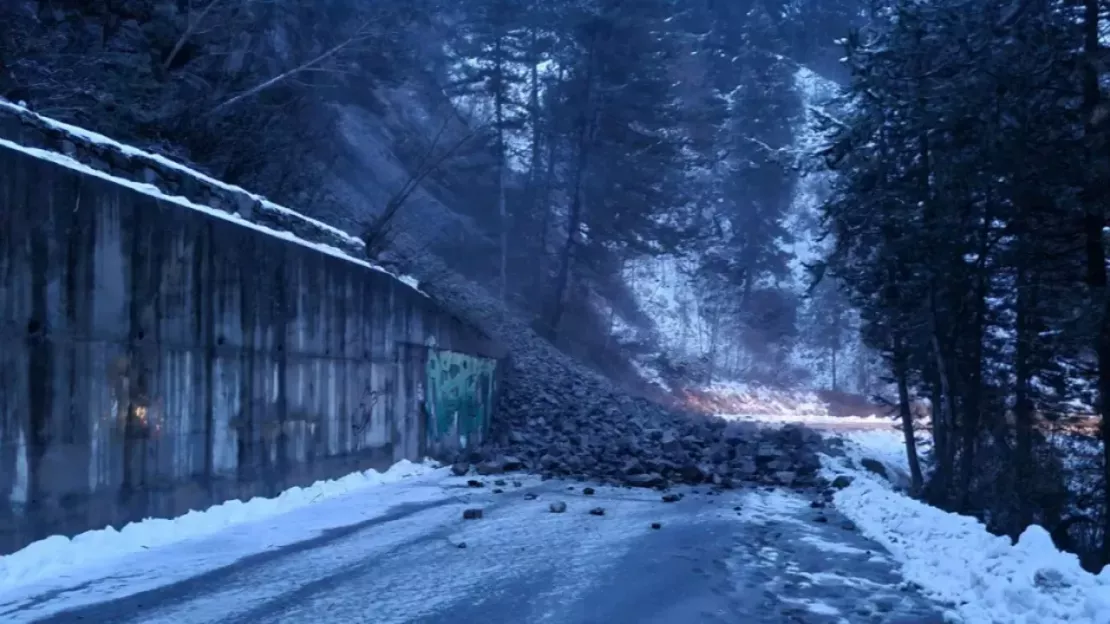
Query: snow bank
984, 578
58, 555
887, 446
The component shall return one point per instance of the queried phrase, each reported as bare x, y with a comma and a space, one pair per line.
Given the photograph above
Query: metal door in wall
459, 394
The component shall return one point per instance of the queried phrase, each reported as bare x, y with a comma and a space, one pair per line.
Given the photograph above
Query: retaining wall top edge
327, 233
155, 192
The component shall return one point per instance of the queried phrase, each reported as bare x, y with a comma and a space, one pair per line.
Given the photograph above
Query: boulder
875, 466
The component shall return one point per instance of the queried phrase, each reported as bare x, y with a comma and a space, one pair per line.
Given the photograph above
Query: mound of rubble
559, 421
586, 431
559, 418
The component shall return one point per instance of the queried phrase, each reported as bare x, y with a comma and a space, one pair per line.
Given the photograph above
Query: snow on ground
62, 558
809, 419
984, 578
804, 404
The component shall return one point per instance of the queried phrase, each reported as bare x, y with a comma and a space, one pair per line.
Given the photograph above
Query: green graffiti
458, 396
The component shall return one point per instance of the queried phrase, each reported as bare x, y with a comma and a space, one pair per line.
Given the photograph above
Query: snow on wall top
158, 176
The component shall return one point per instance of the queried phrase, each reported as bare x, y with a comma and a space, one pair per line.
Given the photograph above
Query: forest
964, 217
969, 218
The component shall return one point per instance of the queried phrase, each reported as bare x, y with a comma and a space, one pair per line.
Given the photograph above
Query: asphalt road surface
747, 556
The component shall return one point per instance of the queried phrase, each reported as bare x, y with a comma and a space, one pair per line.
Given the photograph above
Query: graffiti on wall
459, 392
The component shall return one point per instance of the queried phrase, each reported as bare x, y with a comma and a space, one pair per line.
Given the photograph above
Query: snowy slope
666, 292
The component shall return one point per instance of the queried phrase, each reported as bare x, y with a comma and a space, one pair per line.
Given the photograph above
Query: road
753, 556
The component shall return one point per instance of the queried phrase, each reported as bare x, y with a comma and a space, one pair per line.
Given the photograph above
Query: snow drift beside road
983, 577
58, 555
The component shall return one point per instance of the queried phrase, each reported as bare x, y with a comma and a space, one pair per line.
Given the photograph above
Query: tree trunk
1023, 408
534, 198
1096, 252
499, 119
972, 397
542, 275
714, 330
943, 429
585, 124
563, 277
1104, 412
901, 374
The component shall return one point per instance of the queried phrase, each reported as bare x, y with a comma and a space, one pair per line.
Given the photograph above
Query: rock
874, 466
597, 511
671, 498
510, 463
723, 482
460, 469
848, 525
530, 496
766, 453
588, 491
656, 525
497, 491
646, 480
460, 545
842, 481
784, 477
808, 464
499, 483
472, 514
821, 519
488, 468
557, 507
745, 468
780, 464
692, 474
1050, 579
885, 604
633, 467
474, 483
817, 504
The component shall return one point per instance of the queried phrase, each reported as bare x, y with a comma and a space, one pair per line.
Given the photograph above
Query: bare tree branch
378, 232
189, 31
361, 34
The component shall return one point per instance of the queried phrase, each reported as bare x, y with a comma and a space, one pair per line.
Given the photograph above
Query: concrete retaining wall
155, 358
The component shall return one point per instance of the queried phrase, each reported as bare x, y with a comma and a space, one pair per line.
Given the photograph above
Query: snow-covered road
742, 556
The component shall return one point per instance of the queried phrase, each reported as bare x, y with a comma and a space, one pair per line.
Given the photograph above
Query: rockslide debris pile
558, 418
563, 424
619, 440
